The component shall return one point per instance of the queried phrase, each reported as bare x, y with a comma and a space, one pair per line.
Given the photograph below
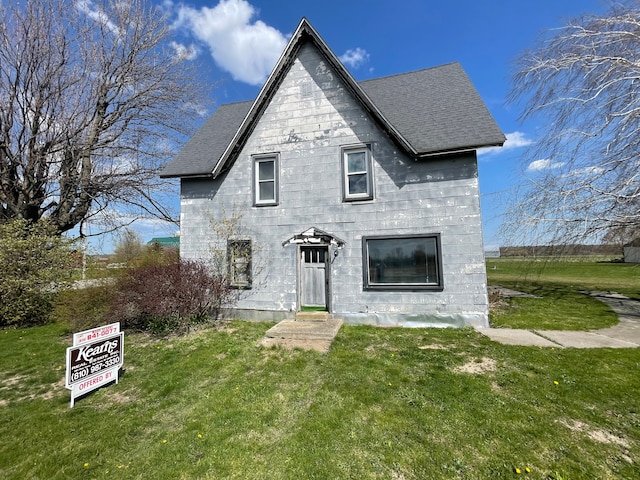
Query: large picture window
265, 180
239, 262
405, 262
357, 175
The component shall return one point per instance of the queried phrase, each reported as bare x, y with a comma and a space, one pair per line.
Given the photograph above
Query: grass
561, 305
313, 309
382, 404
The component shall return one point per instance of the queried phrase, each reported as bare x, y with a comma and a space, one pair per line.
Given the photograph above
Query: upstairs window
402, 262
265, 180
239, 263
357, 173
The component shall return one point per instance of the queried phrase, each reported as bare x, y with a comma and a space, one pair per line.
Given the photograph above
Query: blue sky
238, 41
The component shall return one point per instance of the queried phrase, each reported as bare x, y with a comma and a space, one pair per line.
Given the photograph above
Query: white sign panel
92, 383
96, 333
94, 361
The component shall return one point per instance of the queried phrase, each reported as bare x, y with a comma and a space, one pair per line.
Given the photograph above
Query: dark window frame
344, 160
236, 250
257, 160
436, 285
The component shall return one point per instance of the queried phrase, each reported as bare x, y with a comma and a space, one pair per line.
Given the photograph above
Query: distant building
165, 242
632, 251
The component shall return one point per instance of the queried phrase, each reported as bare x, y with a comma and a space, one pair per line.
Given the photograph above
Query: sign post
94, 359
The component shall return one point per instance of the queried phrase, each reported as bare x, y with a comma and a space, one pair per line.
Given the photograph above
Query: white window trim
257, 160
345, 151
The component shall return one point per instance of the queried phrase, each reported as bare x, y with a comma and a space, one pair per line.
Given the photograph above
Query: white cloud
543, 164
184, 52
95, 13
586, 172
517, 140
247, 49
514, 140
355, 57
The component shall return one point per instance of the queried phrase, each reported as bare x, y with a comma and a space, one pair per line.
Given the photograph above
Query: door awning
314, 236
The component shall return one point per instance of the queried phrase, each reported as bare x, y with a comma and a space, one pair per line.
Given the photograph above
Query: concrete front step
313, 316
303, 330
312, 335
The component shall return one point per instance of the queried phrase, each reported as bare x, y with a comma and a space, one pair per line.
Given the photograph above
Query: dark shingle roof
201, 153
435, 110
428, 112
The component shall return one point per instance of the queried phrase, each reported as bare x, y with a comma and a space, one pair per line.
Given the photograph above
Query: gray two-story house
358, 198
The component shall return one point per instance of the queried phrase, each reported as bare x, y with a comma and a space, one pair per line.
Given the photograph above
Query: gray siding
307, 130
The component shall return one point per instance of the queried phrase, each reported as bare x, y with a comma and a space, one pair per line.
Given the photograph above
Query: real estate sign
94, 359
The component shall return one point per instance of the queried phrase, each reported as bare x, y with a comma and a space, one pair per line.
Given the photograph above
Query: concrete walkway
317, 331
626, 334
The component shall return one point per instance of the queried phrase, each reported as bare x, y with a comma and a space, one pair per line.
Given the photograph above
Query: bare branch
92, 103
583, 82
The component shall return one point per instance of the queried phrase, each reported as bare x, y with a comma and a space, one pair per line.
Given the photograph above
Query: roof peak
435, 111
304, 29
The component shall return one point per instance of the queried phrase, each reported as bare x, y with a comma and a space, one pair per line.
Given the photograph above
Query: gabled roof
314, 235
427, 112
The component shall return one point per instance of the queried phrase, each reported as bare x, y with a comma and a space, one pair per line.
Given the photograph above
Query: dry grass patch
478, 366
595, 434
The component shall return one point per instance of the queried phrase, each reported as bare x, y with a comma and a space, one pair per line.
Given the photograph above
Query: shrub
83, 308
35, 261
169, 297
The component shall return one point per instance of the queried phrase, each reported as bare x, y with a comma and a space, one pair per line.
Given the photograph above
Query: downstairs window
402, 262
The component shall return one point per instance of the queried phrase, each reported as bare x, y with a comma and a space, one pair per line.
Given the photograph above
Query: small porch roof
314, 236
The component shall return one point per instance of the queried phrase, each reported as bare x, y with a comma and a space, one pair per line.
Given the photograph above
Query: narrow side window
265, 174
239, 263
357, 173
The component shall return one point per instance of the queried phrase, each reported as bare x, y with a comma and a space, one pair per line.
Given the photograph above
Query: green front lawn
382, 404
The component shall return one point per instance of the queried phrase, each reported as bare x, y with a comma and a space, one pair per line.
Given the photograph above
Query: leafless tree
93, 100
582, 82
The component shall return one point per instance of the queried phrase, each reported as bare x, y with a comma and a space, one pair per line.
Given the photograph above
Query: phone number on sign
96, 368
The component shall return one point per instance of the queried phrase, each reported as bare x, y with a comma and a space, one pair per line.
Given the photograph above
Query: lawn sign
94, 359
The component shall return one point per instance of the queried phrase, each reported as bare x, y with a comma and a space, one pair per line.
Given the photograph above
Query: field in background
560, 284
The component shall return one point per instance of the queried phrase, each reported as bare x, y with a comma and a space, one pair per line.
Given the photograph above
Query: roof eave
186, 175
453, 151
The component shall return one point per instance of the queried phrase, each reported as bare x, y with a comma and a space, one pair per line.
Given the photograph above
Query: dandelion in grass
86, 465
517, 470
527, 469
199, 435
164, 440
555, 382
